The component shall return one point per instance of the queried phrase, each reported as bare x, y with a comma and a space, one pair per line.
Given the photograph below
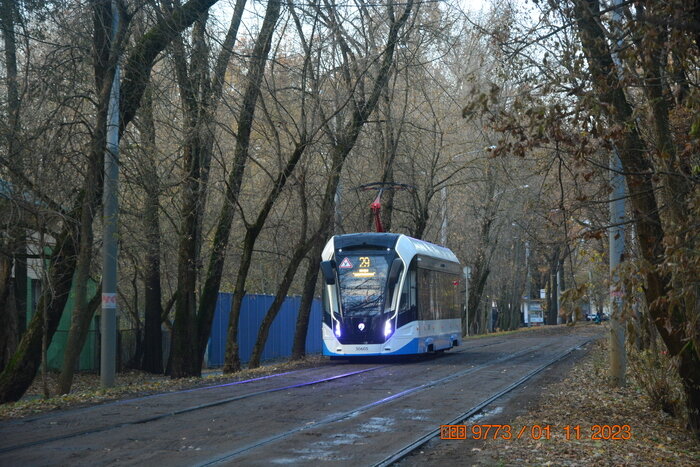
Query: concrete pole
616, 235
108, 323
467, 275
616, 238
528, 287
590, 294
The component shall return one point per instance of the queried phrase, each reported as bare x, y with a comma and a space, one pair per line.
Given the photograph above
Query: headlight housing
387, 328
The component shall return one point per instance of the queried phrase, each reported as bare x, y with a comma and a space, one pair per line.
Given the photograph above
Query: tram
389, 294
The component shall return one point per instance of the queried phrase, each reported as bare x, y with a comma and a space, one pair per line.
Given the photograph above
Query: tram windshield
362, 282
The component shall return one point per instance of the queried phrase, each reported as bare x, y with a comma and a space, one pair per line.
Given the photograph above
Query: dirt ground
572, 393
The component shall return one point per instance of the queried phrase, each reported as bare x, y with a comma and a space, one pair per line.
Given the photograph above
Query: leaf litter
87, 390
584, 398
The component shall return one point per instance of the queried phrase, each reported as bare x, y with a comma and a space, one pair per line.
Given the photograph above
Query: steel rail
351, 413
156, 395
180, 411
197, 407
409, 448
22, 421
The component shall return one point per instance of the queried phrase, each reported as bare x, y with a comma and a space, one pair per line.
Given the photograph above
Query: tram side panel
439, 323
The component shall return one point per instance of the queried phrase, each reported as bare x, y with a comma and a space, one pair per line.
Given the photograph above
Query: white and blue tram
389, 294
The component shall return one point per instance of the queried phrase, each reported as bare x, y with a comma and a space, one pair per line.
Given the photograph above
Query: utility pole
108, 322
616, 234
616, 238
443, 227
467, 276
528, 288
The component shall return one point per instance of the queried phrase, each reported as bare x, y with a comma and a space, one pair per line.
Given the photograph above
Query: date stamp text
536, 432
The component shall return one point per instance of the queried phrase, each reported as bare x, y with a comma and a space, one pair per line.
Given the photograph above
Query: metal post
443, 227
108, 322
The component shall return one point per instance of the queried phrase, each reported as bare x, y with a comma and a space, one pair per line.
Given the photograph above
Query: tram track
181, 411
215, 386
413, 446
229, 456
248, 395
185, 410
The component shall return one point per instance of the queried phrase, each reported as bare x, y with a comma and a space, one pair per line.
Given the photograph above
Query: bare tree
187, 352
73, 236
343, 133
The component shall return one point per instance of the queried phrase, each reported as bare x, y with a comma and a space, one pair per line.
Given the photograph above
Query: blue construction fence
281, 336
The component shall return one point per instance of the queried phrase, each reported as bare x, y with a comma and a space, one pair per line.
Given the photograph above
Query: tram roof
406, 245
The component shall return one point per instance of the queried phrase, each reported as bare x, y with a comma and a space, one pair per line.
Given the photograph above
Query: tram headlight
387, 328
337, 329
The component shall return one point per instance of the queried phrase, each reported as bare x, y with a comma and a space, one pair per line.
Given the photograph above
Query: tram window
438, 295
408, 293
326, 306
362, 284
393, 289
424, 286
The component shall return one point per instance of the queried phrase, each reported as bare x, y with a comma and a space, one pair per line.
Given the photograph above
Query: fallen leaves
86, 388
584, 398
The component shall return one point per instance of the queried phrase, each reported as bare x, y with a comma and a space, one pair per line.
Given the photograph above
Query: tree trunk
280, 297
8, 313
514, 297
232, 359
191, 83
344, 141
137, 67
209, 295
232, 362
481, 268
184, 352
477, 283
22, 367
12, 315
667, 315
184, 348
105, 60
553, 309
21, 283
561, 317
200, 99
153, 309
307, 297
223, 229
